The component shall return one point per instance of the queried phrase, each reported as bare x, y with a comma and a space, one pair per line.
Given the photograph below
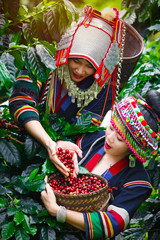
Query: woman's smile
80, 69
107, 145
76, 76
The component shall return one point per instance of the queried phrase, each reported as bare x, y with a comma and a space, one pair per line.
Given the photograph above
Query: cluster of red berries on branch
9, 127
71, 185
5, 124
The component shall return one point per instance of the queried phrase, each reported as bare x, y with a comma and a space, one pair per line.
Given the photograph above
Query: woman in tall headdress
94, 58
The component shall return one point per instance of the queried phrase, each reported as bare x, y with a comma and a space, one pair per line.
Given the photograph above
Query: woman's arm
23, 108
38, 132
75, 219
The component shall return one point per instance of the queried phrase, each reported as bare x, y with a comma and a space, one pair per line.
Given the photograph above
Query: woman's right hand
38, 132
52, 149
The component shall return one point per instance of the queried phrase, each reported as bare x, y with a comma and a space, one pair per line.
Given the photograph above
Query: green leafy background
29, 31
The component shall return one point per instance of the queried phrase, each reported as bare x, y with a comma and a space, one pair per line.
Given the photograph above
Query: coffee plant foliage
24, 163
146, 76
28, 37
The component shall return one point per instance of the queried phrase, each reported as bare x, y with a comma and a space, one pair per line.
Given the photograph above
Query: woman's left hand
49, 199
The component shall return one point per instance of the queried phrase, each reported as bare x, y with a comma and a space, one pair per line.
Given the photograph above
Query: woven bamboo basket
89, 202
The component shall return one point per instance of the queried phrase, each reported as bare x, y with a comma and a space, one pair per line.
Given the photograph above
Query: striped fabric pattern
24, 99
24, 110
107, 224
137, 183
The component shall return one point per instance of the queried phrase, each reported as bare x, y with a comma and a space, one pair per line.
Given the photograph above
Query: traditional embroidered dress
129, 186
26, 96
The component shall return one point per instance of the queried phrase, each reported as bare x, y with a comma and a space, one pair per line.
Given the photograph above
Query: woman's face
114, 143
80, 69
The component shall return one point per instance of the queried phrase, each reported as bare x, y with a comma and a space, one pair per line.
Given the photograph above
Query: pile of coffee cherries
71, 185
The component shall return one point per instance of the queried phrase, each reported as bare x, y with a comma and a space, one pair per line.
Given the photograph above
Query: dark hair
150, 115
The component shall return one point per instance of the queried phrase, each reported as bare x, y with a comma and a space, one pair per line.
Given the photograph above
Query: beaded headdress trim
83, 97
129, 122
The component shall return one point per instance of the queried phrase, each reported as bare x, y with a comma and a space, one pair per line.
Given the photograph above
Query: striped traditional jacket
130, 186
26, 96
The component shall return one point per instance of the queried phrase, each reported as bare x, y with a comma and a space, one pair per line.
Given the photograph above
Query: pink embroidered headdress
128, 120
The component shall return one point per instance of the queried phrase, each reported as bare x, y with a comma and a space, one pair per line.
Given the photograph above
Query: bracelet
61, 214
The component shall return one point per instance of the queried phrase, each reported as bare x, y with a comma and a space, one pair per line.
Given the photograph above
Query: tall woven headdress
100, 40
128, 120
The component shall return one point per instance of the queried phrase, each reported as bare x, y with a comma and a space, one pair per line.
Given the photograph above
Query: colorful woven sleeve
24, 99
116, 218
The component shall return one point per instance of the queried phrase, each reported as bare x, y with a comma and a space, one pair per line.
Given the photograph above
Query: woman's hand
75, 150
49, 200
35, 128
53, 147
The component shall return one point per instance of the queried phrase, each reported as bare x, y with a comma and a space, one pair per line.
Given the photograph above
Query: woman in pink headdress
116, 154
88, 76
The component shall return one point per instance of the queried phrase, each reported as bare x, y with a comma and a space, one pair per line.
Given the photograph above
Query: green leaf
156, 179
50, 47
21, 234
17, 185
12, 210
51, 221
63, 19
48, 167
78, 129
4, 191
29, 206
8, 60
16, 38
37, 26
26, 29
4, 177
13, 8
35, 65
33, 174
83, 170
8, 230
71, 10
44, 213
2, 202
31, 147
3, 218
20, 46
84, 119
29, 169
51, 19
45, 57
35, 186
4, 76
48, 233
18, 61
10, 153
18, 217
3, 23
34, 219
30, 229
